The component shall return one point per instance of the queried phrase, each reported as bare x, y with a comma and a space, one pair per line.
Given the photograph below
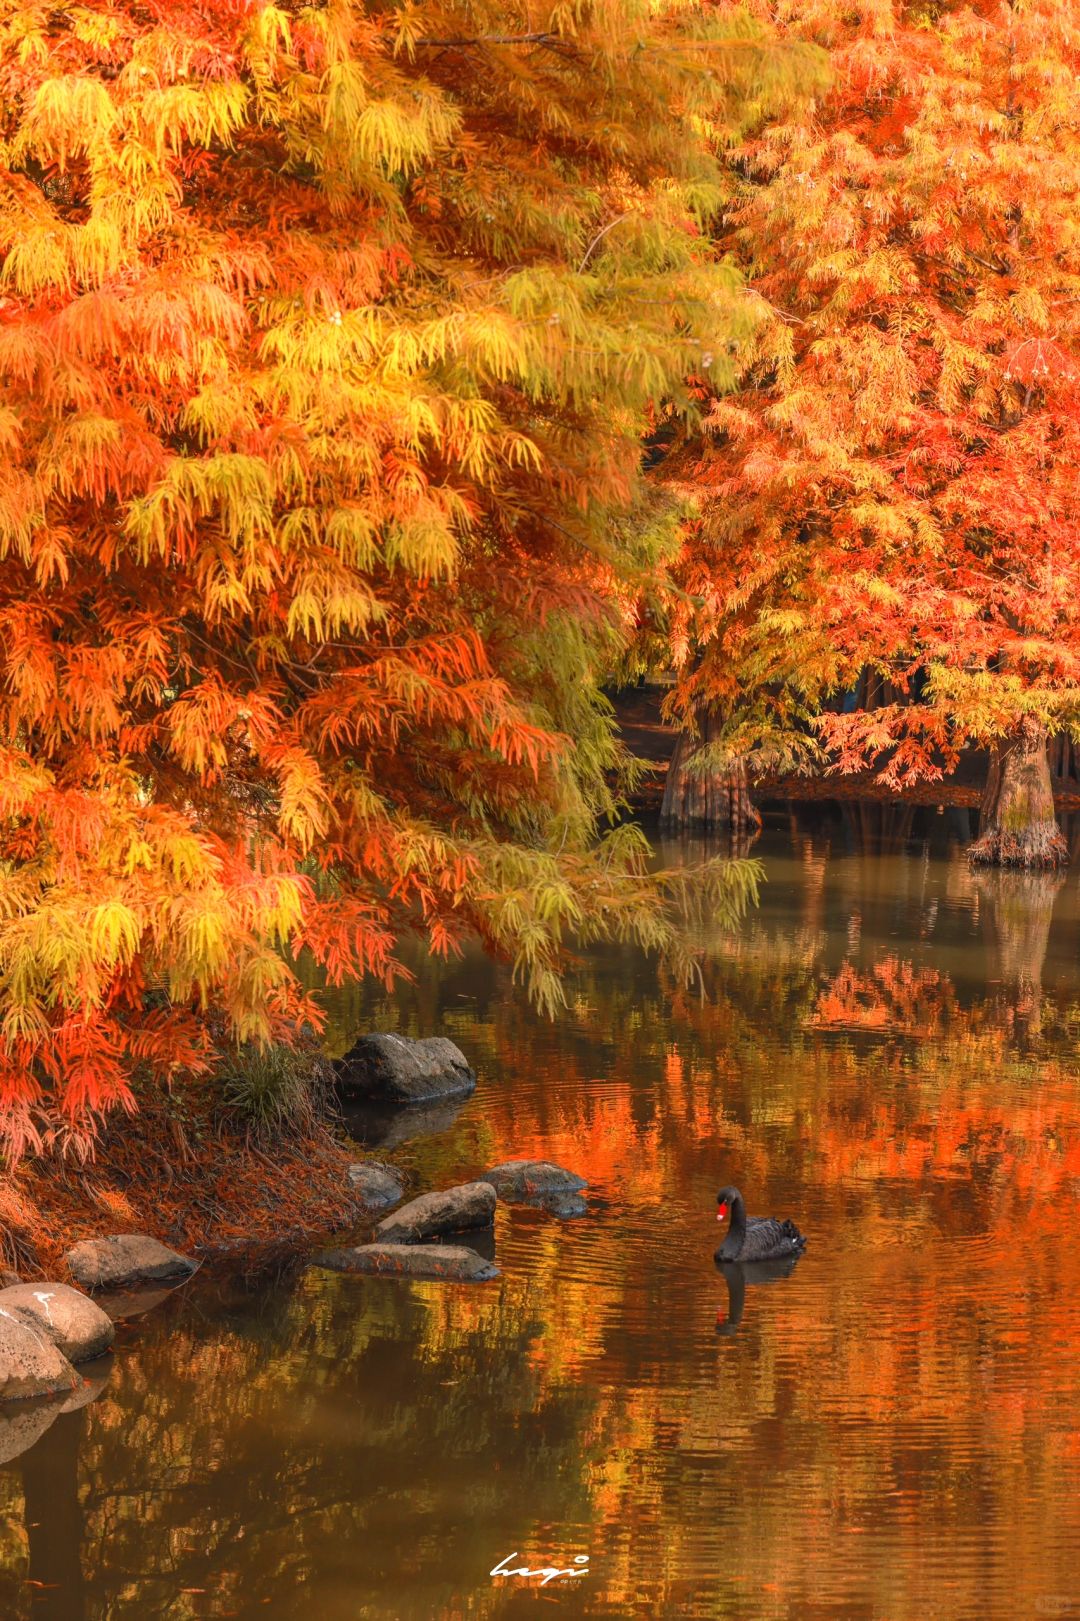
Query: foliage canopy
327, 340
893, 485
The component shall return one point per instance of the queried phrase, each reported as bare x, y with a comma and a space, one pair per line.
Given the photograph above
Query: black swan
754, 1238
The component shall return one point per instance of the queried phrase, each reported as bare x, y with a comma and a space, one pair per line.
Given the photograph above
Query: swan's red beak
721, 1211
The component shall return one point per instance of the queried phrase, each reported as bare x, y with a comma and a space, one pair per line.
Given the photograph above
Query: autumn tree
893, 488
327, 339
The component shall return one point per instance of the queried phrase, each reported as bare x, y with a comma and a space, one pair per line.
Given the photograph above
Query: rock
75, 1325
9, 1278
386, 1125
111, 1263
452, 1262
454, 1210
539, 1183
376, 1186
393, 1069
528, 1179
30, 1364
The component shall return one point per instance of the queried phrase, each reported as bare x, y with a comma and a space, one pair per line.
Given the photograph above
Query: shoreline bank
219, 1195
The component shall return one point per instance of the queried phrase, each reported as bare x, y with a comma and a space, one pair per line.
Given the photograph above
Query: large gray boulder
375, 1186
539, 1183
124, 1259
393, 1069
77, 1327
30, 1364
454, 1210
450, 1262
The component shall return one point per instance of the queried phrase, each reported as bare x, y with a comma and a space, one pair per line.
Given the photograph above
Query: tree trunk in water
706, 798
1017, 825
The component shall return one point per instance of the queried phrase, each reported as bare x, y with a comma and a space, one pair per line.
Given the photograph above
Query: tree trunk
702, 799
1017, 825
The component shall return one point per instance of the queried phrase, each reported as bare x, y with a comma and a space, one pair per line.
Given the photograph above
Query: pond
888, 1052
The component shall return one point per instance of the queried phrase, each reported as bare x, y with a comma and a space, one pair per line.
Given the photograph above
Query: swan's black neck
738, 1219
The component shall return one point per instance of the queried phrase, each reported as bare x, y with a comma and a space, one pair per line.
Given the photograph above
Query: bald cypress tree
327, 340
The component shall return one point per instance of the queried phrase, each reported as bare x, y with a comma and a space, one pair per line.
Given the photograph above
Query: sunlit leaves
326, 352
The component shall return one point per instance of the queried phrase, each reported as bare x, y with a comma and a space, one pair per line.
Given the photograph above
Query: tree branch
609, 227
552, 41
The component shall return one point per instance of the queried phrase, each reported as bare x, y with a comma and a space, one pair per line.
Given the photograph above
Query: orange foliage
893, 485
327, 340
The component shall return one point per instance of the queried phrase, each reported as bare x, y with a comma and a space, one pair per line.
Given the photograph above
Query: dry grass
190, 1181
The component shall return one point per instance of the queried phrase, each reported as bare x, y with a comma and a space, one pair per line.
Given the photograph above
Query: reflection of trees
210, 1466
893, 997
54, 1520
1018, 909
341, 1448
345, 1447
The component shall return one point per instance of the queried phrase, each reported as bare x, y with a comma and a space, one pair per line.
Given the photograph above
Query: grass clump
272, 1091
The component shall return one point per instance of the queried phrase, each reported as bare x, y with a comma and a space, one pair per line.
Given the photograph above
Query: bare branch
599, 235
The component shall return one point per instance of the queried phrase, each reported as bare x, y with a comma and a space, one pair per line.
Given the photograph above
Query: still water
888, 1052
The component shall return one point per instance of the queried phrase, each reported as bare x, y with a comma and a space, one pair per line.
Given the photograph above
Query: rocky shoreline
51, 1330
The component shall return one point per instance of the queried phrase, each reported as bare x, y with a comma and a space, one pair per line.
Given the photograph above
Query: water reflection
376, 1127
736, 1276
888, 1053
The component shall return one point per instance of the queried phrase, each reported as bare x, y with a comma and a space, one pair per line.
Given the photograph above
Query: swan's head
724, 1201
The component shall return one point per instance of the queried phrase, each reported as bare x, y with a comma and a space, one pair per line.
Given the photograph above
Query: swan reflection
737, 1275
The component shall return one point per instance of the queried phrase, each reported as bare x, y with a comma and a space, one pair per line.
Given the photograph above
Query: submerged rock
530, 1178
454, 1210
30, 1364
539, 1183
23, 1423
376, 1186
77, 1327
125, 1258
451, 1262
394, 1069
566, 1206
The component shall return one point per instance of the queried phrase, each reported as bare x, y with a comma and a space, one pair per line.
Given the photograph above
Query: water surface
888, 1052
